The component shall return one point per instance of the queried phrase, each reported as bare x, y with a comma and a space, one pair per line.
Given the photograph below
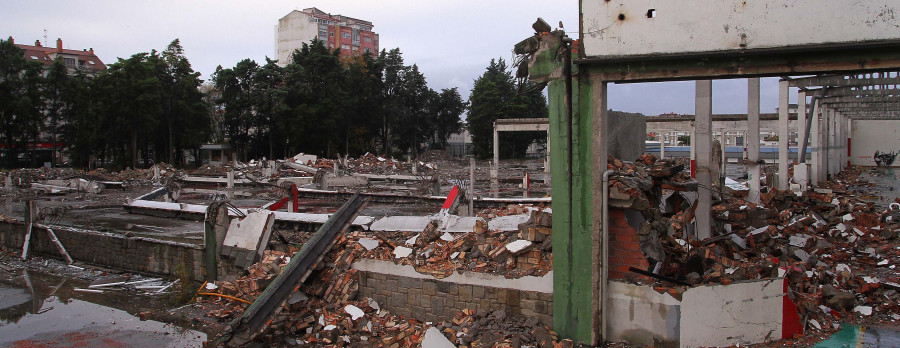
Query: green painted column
575, 248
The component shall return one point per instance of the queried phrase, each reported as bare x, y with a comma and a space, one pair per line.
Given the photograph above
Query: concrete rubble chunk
435, 339
520, 246
368, 243
354, 311
401, 252
864, 310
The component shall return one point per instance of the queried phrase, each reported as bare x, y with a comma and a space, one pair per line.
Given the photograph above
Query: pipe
224, 296
604, 255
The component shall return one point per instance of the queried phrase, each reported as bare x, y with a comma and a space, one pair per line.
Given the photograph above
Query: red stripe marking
790, 317
451, 197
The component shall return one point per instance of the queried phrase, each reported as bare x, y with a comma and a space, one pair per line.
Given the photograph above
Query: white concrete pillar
547, 160
783, 135
815, 142
495, 166
802, 136
829, 144
751, 141
693, 145
703, 145
470, 191
662, 145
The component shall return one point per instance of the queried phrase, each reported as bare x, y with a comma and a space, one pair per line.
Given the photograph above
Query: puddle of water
39, 310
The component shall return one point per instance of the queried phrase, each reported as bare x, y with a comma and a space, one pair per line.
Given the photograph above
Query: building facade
84, 60
352, 36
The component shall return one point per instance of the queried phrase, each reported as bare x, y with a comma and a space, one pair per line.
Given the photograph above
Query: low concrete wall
402, 290
706, 316
138, 254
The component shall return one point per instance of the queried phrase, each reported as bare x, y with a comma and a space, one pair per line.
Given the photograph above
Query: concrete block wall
624, 246
137, 254
403, 291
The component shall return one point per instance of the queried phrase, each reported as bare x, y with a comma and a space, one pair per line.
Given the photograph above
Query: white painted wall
866, 137
731, 25
707, 316
291, 32
641, 316
725, 315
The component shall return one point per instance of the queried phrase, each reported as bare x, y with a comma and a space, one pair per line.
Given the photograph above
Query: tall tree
236, 86
365, 103
134, 105
316, 99
393, 84
494, 97
446, 108
185, 121
21, 101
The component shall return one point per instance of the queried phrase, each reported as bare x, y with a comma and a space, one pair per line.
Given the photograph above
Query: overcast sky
451, 41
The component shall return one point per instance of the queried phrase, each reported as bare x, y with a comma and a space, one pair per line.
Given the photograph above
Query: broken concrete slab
246, 238
435, 339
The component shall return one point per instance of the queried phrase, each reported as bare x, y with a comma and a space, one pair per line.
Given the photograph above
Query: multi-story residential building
352, 36
84, 60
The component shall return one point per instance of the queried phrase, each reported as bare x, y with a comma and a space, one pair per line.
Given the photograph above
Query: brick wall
436, 300
624, 246
135, 254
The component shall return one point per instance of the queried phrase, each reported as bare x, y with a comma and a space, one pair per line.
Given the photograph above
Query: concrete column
703, 153
751, 141
829, 143
815, 145
843, 128
495, 167
693, 145
470, 193
547, 161
783, 135
662, 145
802, 136
600, 250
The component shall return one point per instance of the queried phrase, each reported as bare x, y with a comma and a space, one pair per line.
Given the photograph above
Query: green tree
494, 96
446, 108
270, 107
316, 99
21, 101
365, 103
185, 122
237, 98
133, 106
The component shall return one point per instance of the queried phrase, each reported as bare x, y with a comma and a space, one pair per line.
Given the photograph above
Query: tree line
143, 109
323, 104
152, 107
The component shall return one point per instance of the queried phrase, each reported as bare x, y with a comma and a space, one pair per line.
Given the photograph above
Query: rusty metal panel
634, 28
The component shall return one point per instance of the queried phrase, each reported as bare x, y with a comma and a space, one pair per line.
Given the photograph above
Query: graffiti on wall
885, 158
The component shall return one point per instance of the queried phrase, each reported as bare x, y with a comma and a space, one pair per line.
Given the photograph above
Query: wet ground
886, 189
42, 310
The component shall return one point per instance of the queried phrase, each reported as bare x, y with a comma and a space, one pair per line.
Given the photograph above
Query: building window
346, 47
70, 62
368, 50
367, 39
35, 58
331, 34
345, 35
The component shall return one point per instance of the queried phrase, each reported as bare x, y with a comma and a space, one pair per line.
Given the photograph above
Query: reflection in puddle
43, 310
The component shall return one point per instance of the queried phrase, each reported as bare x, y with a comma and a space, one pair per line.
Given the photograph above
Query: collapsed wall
136, 254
